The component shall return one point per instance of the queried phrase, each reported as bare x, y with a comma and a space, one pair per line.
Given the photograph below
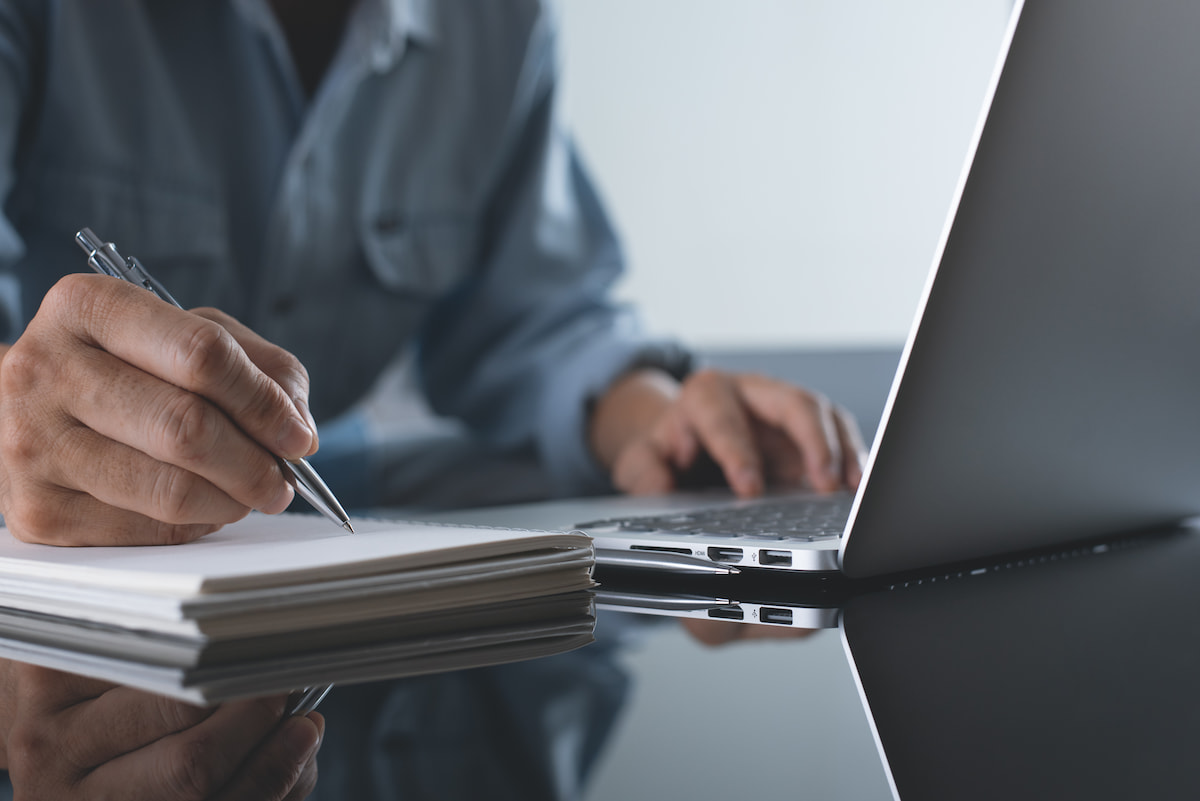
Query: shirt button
284, 305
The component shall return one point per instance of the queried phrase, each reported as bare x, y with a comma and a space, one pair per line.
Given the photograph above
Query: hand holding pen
104, 259
126, 420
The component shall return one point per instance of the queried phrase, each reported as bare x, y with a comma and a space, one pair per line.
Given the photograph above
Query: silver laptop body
1049, 389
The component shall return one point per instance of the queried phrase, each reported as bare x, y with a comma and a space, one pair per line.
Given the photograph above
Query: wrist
628, 408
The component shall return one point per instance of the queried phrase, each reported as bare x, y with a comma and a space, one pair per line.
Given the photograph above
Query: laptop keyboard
793, 519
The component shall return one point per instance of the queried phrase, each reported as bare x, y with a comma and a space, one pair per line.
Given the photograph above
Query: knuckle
87, 302
179, 716
792, 400
28, 746
191, 774
214, 314
707, 378
176, 495
34, 520
205, 353
21, 446
22, 370
74, 291
804, 410
188, 427
286, 369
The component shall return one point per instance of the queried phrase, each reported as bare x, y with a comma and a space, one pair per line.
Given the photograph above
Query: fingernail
295, 438
301, 740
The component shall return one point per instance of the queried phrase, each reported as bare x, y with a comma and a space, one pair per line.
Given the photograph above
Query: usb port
725, 554
727, 613
766, 557
771, 614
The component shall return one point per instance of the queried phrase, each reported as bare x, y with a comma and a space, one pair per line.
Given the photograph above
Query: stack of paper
271, 604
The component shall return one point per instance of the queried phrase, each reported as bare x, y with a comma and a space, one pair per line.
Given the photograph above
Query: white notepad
262, 599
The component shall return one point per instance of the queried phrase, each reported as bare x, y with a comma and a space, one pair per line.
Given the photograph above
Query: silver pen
104, 258
657, 560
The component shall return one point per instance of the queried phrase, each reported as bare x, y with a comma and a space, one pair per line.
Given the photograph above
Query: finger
307, 781
284, 368
57, 516
714, 411
285, 766
122, 720
181, 348
33, 731
46, 692
196, 762
308, 778
807, 418
783, 461
76, 723
176, 427
123, 477
674, 438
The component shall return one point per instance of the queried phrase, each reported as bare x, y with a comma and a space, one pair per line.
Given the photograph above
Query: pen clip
103, 257
148, 281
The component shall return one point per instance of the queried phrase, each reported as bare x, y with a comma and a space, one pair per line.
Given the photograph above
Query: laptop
1049, 388
775, 608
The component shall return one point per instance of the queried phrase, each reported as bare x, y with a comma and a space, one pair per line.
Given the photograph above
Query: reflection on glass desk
1066, 675
1071, 675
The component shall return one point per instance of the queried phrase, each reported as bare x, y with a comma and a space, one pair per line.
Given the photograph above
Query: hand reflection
723, 632
71, 737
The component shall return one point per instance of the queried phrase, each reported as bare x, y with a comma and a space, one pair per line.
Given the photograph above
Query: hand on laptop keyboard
652, 433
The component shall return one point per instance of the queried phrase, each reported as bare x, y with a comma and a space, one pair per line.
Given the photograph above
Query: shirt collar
403, 20
411, 19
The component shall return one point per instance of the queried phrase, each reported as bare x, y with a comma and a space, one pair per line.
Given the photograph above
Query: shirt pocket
179, 232
422, 256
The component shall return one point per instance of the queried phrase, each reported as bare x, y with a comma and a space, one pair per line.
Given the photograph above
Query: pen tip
348, 527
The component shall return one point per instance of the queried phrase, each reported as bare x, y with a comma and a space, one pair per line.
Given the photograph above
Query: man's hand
652, 433
124, 420
70, 737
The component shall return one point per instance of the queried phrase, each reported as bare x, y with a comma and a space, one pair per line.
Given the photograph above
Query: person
333, 188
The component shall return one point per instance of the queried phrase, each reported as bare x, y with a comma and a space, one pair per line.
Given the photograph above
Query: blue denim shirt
425, 201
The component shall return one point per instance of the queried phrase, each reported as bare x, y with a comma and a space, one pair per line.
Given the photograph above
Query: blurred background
780, 170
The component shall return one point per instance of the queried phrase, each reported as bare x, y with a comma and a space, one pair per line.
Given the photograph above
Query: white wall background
780, 170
